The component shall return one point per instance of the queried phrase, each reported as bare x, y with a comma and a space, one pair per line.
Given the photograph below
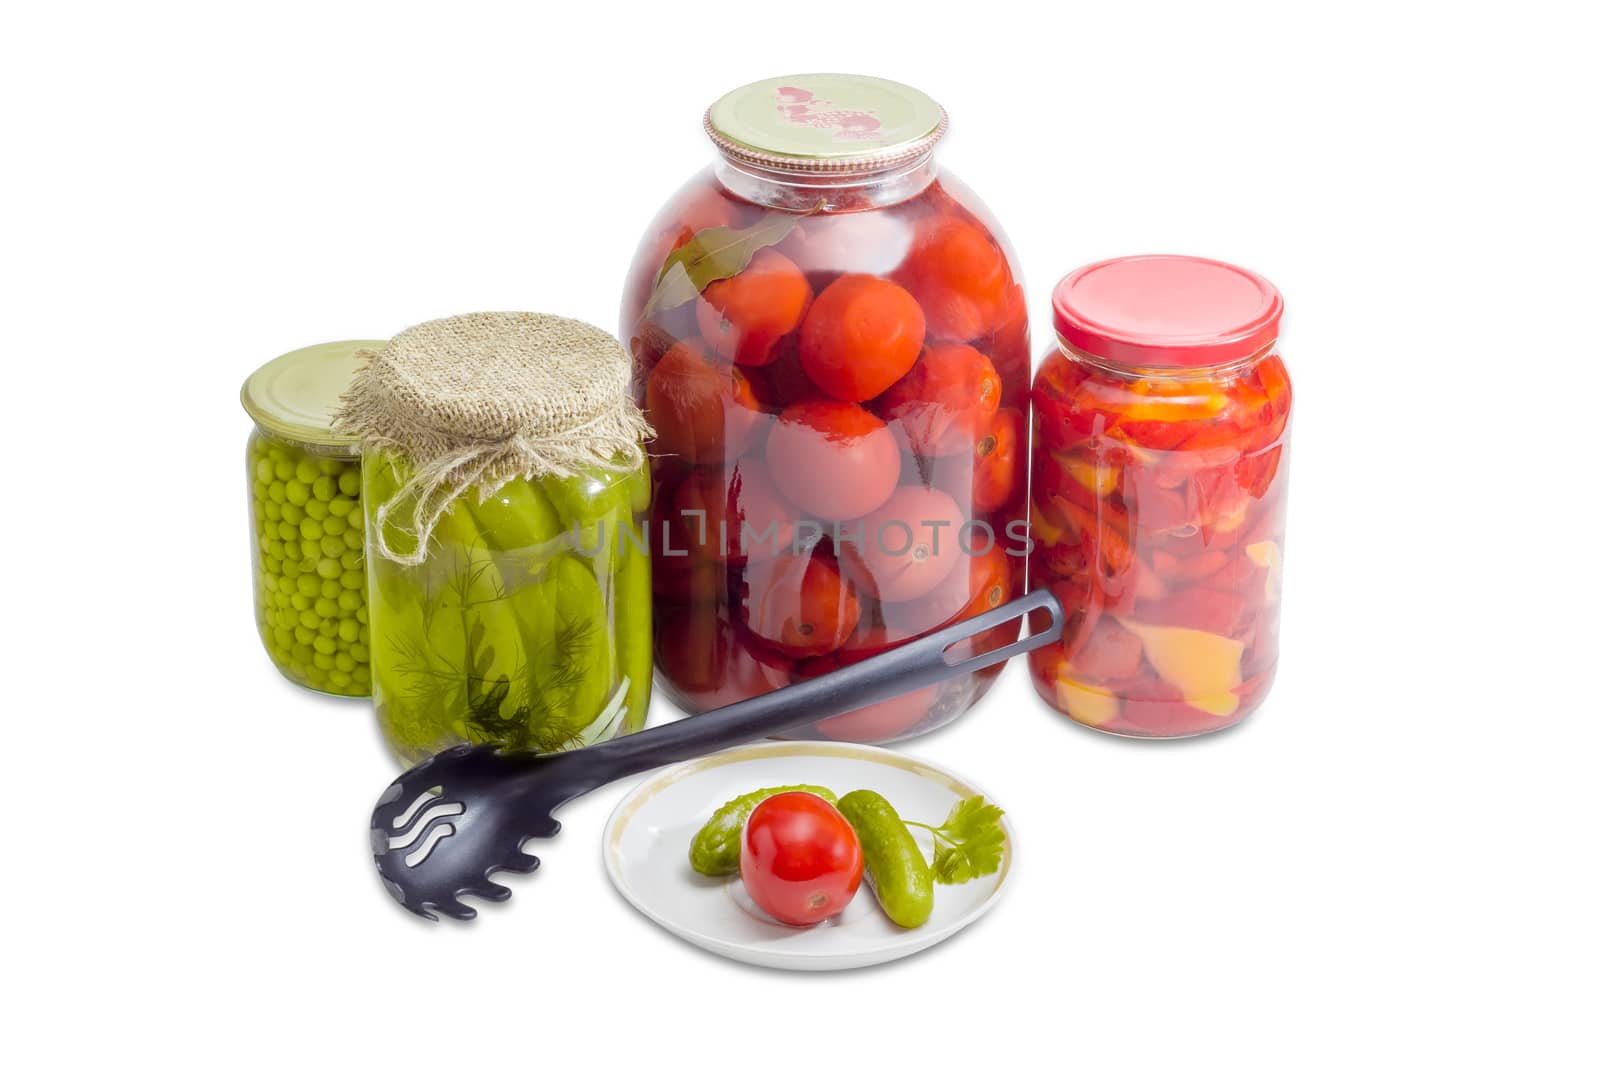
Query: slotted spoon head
443, 827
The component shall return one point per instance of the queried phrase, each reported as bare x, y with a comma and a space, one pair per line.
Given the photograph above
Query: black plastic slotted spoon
443, 827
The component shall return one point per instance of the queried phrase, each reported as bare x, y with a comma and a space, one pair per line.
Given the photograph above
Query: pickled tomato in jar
830, 339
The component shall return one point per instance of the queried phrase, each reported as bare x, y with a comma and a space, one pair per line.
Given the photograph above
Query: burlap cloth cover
472, 401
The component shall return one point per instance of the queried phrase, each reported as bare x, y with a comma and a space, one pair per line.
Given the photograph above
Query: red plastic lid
1175, 311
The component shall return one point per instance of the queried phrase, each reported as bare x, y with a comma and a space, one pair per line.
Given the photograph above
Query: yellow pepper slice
1089, 704
1202, 665
1267, 554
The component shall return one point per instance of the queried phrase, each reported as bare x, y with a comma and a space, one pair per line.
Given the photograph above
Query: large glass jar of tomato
831, 342
1160, 449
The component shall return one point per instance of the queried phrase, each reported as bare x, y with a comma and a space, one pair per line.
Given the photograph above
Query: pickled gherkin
522, 624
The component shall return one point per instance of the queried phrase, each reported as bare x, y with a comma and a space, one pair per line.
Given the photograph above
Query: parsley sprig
969, 843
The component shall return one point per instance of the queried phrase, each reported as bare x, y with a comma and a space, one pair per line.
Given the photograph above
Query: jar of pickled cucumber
1160, 471
505, 497
306, 521
830, 339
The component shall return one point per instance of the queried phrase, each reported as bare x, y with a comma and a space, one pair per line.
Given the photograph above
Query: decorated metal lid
296, 395
1172, 311
825, 123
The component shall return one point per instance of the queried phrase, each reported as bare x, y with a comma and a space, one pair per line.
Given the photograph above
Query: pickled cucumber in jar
506, 530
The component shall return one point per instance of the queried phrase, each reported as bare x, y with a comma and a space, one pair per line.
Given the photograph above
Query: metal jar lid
296, 395
825, 123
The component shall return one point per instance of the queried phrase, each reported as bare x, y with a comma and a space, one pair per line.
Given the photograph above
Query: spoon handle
926, 661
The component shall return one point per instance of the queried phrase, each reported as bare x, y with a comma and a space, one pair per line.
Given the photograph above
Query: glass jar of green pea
306, 550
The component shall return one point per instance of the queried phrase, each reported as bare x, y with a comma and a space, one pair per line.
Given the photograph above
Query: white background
1393, 863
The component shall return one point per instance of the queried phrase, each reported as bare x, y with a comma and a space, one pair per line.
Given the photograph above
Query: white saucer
646, 845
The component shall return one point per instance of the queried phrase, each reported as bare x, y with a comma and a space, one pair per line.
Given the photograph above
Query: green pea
291, 549
275, 493
306, 471
329, 568
328, 627
293, 514
311, 550
349, 600
352, 539
316, 509
272, 510
311, 530
348, 629
341, 506
326, 645
362, 675
339, 677
305, 634
288, 532
263, 469
714, 850
895, 866
350, 482
284, 469
359, 653
331, 546
323, 488
323, 661
330, 466
325, 608
297, 492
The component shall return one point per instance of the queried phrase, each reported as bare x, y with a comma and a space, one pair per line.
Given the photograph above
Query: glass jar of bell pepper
830, 340
1160, 448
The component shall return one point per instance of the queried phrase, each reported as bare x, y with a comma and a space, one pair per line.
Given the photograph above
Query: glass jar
830, 339
306, 528
527, 624
1160, 448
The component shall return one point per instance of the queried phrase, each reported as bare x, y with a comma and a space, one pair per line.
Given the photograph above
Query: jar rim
825, 124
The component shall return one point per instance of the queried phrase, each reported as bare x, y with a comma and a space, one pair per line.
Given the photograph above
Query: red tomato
702, 410
959, 276
945, 402
743, 317
783, 381
908, 546
991, 474
884, 721
760, 522
799, 604
861, 334
1008, 346
700, 511
799, 858
692, 649
980, 580
856, 242
832, 459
